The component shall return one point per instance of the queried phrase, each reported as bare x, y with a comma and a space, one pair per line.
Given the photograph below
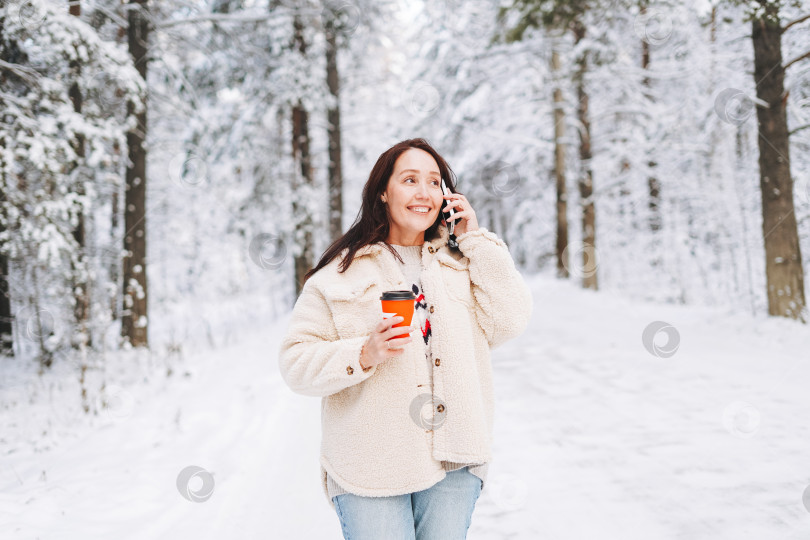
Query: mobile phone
452, 244
450, 224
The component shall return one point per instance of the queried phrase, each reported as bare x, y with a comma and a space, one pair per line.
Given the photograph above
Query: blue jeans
441, 512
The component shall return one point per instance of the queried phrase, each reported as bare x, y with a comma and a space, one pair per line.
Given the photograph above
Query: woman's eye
436, 183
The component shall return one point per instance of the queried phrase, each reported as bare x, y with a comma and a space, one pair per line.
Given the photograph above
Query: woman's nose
423, 192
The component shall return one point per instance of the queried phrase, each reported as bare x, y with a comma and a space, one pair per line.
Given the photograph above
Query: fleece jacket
411, 266
377, 439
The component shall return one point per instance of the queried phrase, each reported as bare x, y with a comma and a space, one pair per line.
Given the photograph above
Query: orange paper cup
399, 303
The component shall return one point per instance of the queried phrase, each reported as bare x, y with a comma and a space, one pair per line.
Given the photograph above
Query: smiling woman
409, 174
413, 196
405, 180
407, 422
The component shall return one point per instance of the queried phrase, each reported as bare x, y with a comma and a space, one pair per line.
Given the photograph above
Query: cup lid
398, 295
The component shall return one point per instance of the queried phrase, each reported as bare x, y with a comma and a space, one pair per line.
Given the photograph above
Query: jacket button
438, 361
431, 309
440, 408
349, 370
430, 249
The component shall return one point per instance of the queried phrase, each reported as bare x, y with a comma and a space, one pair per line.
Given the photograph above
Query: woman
407, 422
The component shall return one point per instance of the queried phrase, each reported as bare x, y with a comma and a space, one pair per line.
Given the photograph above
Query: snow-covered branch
28, 74
216, 17
797, 59
798, 129
796, 21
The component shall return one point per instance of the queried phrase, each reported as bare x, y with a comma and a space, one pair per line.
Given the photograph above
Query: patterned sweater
412, 269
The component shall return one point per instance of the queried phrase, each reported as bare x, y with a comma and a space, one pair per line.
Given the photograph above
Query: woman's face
415, 183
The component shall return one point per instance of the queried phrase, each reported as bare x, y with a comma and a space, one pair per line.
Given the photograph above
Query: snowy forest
170, 170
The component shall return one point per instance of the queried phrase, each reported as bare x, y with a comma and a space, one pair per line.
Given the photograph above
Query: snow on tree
46, 185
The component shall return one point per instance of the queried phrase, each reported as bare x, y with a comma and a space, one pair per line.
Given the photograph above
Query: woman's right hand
376, 350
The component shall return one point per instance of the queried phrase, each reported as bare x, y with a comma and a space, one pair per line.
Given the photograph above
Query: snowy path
595, 438
598, 438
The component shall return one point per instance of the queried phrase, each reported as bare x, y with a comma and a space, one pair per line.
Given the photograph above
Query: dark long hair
373, 223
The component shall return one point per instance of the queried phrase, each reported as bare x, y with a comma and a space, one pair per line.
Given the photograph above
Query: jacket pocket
456, 278
355, 307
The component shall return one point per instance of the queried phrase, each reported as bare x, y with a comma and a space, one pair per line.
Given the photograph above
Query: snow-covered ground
596, 437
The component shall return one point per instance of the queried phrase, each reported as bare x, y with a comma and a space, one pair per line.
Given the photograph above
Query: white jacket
375, 440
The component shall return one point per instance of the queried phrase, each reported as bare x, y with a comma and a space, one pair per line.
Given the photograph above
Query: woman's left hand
464, 215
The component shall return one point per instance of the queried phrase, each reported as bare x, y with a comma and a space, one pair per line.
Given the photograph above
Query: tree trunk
783, 259
6, 318
589, 279
81, 287
333, 131
559, 168
134, 315
653, 185
302, 176
114, 262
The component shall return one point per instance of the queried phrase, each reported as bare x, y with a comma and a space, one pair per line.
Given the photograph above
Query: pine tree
783, 260
570, 15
